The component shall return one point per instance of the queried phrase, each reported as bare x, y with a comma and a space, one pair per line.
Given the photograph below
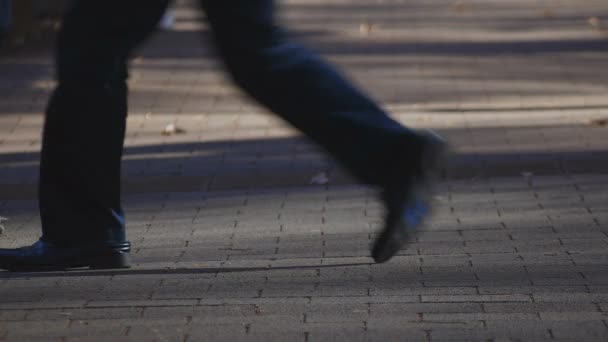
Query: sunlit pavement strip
232, 242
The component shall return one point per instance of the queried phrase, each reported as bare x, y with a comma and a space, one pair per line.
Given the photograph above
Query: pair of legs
85, 124
79, 189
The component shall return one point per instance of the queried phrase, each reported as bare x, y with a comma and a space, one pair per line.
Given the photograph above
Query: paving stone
141, 303
587, 330
476, 298
44, 305
342, 289
150, 330
365, 299
331, 312
84, 314
381, 310
31, 330
13, 315
542, 307
573, 316
518, 329
571, 297
597, 288
395, 334
222, 314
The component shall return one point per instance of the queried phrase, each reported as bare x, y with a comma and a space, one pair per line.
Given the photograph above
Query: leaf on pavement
599, 122
365, 28
595, 22
172, 129
460, 6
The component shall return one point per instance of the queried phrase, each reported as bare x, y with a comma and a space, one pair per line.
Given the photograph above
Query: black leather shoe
407, 197
46, 256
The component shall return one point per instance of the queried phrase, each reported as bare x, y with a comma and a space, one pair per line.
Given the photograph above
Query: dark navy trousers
79, 188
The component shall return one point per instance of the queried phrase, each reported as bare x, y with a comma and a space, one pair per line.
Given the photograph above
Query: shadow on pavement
168, 271
292, 161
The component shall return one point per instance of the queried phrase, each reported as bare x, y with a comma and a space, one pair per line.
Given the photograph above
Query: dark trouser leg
79, 189
305, 91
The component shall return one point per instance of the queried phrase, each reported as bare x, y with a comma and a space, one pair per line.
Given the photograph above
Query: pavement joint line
261, 300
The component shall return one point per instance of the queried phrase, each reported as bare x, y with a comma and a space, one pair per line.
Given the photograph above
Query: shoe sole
111, 261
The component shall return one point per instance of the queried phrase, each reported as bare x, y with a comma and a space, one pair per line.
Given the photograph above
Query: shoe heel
116, 260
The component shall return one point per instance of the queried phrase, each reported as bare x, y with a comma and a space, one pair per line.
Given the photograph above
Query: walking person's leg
310, 94
79, 187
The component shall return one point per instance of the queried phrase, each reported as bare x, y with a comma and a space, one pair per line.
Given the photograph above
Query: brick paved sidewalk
233, 243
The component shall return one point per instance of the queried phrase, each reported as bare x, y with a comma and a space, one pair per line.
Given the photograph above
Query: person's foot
46, 256
407, 198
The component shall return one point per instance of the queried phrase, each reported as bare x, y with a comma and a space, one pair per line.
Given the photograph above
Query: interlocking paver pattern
232, 242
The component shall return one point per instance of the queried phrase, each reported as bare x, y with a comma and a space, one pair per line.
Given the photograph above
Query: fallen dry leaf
595, 22
599, 122
460, 6
365, 28
172, 129
257, 310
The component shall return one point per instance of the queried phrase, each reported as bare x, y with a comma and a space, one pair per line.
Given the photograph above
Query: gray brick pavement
441, 294
232, 243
